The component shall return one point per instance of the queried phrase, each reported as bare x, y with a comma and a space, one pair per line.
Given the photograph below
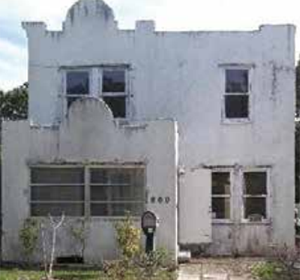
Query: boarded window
114, 91
115, 191
57, 190
236, 97
221, 195
77, 85
255, 195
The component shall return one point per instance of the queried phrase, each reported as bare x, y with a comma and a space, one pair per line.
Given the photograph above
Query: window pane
56, 209
78, 82
114, 175
255, 183
116, 209
236, 80
117, 184
116, 193
113, 81
43, 175
221, 208
236, 106
56, 193
117, 105
255, 206
220, 183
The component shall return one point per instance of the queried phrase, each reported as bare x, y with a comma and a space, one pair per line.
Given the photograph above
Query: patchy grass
16, 274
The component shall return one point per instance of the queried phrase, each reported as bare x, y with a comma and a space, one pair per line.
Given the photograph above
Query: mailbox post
149, 225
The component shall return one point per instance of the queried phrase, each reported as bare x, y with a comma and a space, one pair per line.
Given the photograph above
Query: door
195, 207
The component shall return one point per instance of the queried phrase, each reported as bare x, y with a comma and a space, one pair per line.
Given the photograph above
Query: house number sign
160, 199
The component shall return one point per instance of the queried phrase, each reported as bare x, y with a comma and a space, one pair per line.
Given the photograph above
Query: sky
168, 15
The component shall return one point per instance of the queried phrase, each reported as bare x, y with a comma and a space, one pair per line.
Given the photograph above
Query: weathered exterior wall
180, 75
74, 142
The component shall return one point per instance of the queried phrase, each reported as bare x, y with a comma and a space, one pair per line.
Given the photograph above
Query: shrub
265, 271
29, 234
128, 237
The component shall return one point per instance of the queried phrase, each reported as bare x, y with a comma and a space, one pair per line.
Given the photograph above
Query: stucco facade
178, 76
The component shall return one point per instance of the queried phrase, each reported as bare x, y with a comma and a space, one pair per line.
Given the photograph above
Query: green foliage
155, 266
128, 237
17, 274
29, 234
134, 263
265, 271
14, 103
79, 231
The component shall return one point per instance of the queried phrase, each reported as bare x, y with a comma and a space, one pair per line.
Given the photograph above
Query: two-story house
197, 127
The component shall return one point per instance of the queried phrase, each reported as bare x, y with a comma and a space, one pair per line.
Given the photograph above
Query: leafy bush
134, 263
265, 271
128, 237
29, 234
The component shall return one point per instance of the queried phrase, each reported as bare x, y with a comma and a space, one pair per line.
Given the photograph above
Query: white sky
168, 14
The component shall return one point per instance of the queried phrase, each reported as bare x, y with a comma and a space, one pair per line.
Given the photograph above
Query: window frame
95, 85
115, 201
87, 202
124, 94
249, 93
55, 184
81, 96
230, 196
266, 196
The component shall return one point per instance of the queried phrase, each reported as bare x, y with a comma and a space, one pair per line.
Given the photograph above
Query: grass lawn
16, 274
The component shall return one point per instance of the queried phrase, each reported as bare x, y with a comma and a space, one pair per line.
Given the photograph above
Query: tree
14, 103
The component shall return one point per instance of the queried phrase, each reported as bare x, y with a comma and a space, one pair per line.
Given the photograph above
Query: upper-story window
236, 98
109, 83
77, 85
114, 91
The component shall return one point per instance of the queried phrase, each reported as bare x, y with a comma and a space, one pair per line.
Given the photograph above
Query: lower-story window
105, 191
255, 195
115, 191
221, 191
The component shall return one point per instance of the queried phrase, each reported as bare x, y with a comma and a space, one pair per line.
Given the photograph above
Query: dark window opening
77, 83
221, 195
237, 81
255, 195
113, 81
117, 104
236, 106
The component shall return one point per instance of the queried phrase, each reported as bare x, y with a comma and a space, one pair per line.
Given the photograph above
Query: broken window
114, 91
236, 97
221, 195
255, 195
115, 191
77, 85
57, 190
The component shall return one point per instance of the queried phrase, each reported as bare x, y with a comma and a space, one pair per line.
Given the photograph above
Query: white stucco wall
181, 75
90, 137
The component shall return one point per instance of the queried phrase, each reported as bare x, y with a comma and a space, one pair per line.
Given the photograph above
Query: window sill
221, 222
236, 121
263, 222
